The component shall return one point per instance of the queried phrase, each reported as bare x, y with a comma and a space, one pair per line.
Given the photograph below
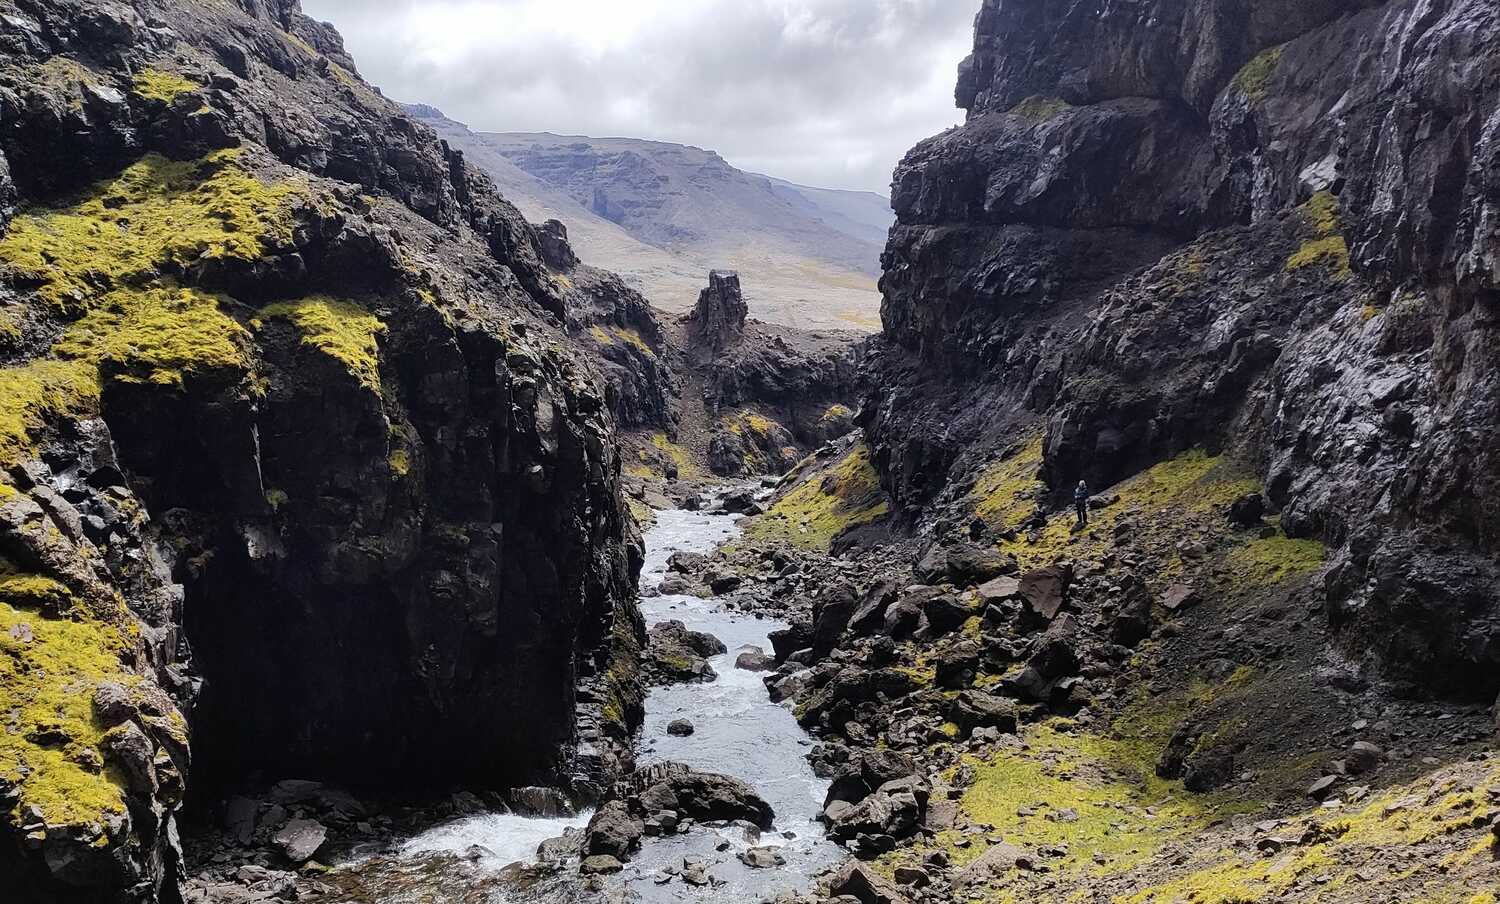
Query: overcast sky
828, 93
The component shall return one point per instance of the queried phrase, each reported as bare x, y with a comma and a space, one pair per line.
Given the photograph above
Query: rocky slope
1263, 229
299, 470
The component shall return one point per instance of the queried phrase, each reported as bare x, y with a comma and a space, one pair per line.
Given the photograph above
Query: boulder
786, 641
705, 796
995, 862
864, 885
1363, 757
762, 858
1057, 650
1248, 510
680, 728
869, 618
1001, 589
674, 654
903, 619
1179, 597
831, 614
1133, 621
963, 564
545, 803
956, 664
613, 831
1045, 591
975, 709
945, 614
300, 839
600, 864
754, 660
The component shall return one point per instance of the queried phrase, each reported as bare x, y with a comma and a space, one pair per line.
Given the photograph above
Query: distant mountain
662, 215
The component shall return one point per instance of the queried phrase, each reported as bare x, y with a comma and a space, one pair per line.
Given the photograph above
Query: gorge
360, 541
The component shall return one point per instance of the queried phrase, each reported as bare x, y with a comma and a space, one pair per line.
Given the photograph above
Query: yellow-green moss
821, 508
1255, 78
1040, 108
31, 591
687, 468
157, 216
35, 393
157, 84
158, 336
1327, 246
836, 412
1007, 491
1165, 496
611, 334
340, 329
1265, 562
49, 737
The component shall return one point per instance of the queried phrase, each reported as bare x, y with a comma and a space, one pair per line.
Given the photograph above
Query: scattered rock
680, 728
300, 839
1179, 597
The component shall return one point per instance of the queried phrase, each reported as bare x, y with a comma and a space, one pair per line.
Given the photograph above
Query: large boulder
1045, 590
613, 831
703, 795
855, 880
832, 612
675, 654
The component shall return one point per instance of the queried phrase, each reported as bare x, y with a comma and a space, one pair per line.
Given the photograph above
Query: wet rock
702, 795
600, 864
300, 839
680, 728
786, 641
613, 831
754, 660
762, 858
673, 653
547, 803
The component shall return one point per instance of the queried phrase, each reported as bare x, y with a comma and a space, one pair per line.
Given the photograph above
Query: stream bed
738, 732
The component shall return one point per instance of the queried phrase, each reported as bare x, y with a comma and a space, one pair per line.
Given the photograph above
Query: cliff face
298, 469
1268, 229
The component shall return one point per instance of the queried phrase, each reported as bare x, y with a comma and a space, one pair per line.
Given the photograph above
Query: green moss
1040, 108
159, 336
158, 216
821, 508
35, 393
159, 85
1265, 562
1255, 78
340, 329
50, 740
30, 591
1007, 491
623, 694
276, 498
1166, 496
836, 412
686, 467
1327, 245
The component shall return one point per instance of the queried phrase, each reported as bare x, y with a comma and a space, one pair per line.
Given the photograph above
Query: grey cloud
825, 92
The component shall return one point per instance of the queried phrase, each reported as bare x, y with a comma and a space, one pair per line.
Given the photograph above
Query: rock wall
297, 466
1262, 228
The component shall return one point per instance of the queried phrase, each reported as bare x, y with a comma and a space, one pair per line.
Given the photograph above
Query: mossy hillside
1327, 246
37, 393
1441, 821
1007, 491
156, 218
824, 506
341, 330
50, 740
159, 336
1164, 501
687, 467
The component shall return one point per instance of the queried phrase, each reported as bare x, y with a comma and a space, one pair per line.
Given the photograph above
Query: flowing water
739, 732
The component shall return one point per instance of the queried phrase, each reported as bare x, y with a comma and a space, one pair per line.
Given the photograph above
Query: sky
828, 93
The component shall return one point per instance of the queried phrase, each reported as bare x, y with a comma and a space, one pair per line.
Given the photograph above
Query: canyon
363, 540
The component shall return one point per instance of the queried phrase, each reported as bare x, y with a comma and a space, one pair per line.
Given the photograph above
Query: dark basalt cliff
1263, 228
299, 470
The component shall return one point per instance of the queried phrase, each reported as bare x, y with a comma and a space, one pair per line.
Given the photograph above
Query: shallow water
739, 732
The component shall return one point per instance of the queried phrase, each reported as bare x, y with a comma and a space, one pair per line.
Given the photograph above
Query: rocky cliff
299, 470
1264, 229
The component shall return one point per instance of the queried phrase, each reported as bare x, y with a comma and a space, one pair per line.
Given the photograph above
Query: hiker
1081, 501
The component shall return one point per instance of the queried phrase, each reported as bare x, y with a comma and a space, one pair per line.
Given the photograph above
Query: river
739, 732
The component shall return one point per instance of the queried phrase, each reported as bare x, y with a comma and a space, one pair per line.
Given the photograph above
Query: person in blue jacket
1081, 502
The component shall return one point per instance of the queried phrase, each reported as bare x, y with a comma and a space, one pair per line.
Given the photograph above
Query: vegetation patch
1327, 246
687, 469
836, 412
157, 217
1268, 561
160, 85
813, 514
158, 336
1255, 78
1007, 491
33, 394
50, 740
1040, 108
341, 330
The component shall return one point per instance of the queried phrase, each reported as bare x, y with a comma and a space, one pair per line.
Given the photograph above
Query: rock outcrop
296, 459
1260, 228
